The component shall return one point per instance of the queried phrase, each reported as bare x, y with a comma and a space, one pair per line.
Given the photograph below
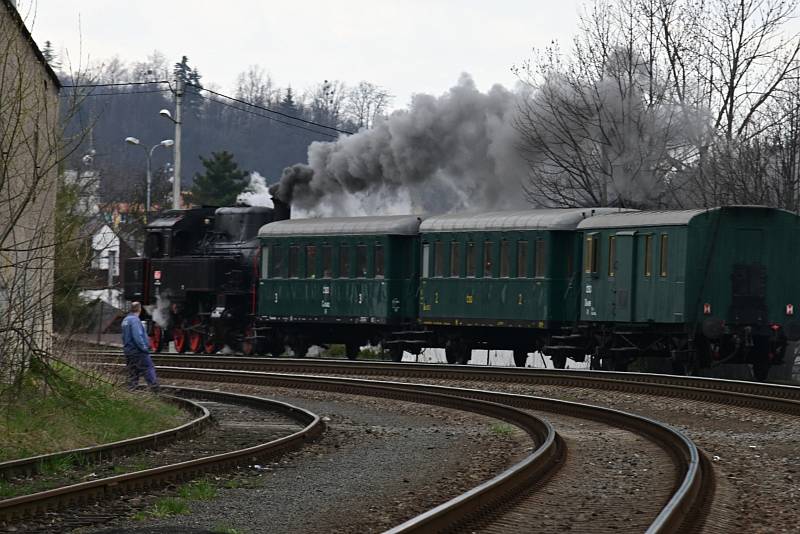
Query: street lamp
165, 143
176, 182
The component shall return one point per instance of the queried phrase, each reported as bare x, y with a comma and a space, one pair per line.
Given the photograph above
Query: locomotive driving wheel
179, 338
210, 345
156, 338
195, 336
250, 344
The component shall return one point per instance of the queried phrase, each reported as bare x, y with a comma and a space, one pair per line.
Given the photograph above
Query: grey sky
406, 46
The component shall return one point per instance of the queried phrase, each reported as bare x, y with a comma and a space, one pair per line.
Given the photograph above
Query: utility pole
176, 182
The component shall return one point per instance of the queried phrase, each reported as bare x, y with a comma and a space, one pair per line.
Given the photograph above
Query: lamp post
165, 143
176, 182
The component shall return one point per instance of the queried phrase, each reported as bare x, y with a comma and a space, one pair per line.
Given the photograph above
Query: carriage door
624, 265
749, 278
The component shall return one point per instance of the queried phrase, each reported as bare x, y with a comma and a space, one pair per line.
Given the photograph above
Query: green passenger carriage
339, 280
502, 280
697, 286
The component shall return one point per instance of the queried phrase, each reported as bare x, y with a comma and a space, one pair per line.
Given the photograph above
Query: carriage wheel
156, 338
352, 350
520, 357
396, 353
300, 349
559, 361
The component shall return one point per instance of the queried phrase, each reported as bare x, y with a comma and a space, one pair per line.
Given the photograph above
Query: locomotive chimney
281, 210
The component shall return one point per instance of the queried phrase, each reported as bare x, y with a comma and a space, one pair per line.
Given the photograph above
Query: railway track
512, 498
771, 397
39, 503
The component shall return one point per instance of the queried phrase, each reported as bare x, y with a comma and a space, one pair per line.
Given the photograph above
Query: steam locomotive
695, 287
197, 277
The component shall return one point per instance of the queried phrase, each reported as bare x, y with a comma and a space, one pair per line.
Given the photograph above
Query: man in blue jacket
137, 350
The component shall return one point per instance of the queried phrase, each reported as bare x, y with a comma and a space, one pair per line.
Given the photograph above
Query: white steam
160, 312
257, 193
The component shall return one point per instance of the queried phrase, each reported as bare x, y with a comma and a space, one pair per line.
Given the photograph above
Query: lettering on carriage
588, 289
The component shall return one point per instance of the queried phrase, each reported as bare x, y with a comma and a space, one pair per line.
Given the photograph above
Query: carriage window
327, 261
540, 259
455, 266
438, 259
590, 254
487, 259
522, 259
379, 271
648, 255
265, 261
361, 261
344, 261
294, 261
471, 260
664, 257
612, 255
426, 260
505, 260
311, 261
278, 262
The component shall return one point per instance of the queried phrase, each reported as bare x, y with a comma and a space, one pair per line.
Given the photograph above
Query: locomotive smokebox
282, 211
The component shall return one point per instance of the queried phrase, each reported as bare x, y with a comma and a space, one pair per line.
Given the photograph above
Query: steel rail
770, 397
696, 479
38, 503
86, 455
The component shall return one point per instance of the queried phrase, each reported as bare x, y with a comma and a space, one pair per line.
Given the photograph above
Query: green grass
169, 506
200, 490
76, 410
502, 429
6, 490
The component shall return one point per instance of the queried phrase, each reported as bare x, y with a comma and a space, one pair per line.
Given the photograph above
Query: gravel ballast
380, 462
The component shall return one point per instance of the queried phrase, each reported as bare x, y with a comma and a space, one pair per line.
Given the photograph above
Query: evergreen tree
50, 55
191, 84
221, 183
288, 104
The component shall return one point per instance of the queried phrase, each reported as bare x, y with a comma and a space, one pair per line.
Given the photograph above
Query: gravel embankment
381, 462
755, 454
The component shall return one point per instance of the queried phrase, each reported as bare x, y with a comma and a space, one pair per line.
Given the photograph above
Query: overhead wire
198, 88
120, 93
114, 84
220, 102
269, 110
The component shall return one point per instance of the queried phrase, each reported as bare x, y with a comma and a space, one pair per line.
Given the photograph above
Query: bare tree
325, 102
662, 93
599, 128
365, 103
255, 86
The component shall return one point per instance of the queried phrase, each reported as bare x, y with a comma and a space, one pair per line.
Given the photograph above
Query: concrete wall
29, 149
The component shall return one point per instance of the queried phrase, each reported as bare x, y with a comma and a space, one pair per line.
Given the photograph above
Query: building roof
17, 18
536, 219
386, 225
